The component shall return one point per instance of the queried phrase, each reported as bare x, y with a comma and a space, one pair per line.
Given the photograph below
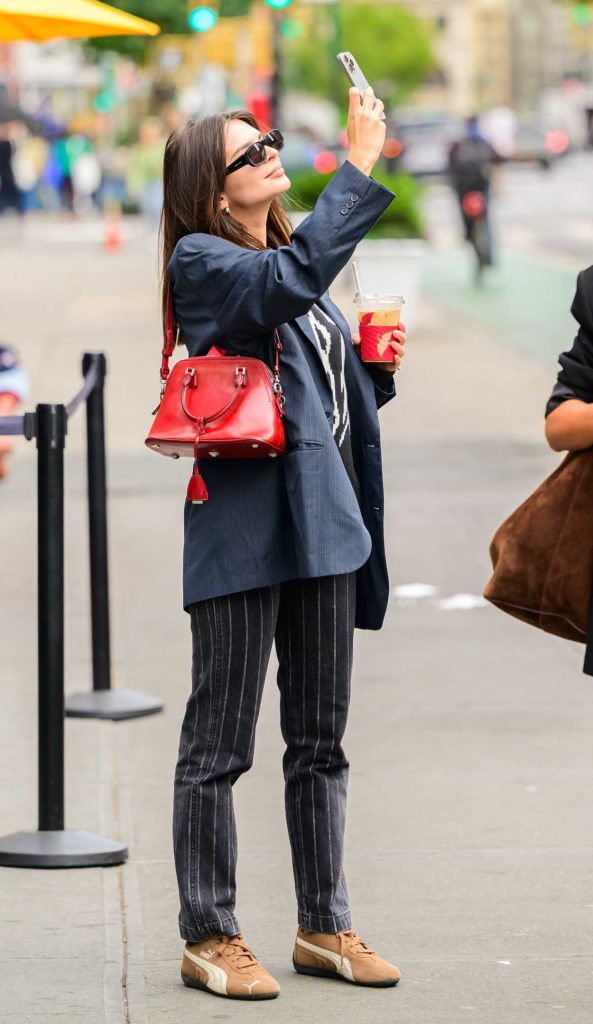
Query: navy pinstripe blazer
295, 516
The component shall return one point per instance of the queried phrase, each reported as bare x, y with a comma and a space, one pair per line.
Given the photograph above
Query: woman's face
251, 186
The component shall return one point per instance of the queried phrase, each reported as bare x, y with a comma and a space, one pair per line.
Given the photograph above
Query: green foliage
233, 8
171, 15
403, 219
393, 47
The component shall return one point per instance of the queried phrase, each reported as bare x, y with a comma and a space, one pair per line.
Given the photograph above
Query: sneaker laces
350, 940
237, 952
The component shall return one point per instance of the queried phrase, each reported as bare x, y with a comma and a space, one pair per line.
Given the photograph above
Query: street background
469, 835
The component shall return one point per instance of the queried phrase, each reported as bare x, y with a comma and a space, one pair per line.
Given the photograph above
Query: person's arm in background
569, 411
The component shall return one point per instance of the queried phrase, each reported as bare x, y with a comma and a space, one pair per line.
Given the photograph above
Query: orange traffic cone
113, 238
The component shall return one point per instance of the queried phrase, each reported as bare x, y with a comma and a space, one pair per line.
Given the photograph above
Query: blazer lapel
332, 311
305, 326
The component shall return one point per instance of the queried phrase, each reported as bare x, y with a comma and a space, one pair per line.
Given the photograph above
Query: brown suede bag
543, 555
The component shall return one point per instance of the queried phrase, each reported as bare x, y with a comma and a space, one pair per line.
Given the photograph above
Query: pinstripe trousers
311, 622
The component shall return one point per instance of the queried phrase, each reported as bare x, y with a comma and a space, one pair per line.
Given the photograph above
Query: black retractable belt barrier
53, 846
102, 701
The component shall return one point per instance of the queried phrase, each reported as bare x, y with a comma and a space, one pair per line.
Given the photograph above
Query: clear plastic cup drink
378, 316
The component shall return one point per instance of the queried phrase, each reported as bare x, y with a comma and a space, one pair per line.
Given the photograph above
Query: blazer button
354, 197
349, 204
344, 209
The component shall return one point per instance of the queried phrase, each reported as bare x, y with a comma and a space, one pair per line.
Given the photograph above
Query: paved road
470, 837
546, 214
543, 225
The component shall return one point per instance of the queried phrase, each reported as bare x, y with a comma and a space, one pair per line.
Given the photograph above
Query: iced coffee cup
378, 316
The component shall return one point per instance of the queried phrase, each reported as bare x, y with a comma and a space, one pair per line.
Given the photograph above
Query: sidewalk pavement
469, 834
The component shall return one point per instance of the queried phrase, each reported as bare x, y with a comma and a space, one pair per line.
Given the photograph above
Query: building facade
495, 52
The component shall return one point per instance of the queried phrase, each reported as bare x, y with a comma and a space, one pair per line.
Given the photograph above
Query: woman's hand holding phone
365, 129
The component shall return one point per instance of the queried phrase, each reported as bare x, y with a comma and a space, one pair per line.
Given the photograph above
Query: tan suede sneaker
341, 955
223, 964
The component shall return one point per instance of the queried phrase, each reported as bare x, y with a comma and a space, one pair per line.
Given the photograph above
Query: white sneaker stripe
343, 965
217, 977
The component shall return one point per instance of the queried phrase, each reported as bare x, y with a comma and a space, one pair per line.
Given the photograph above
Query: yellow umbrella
40, 20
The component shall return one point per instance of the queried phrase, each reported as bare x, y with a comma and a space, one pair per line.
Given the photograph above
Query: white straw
357, 278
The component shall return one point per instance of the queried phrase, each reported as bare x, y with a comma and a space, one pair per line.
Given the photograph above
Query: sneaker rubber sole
321, 972
195, 983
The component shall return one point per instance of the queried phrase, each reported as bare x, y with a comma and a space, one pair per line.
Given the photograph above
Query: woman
286, 550
569, 412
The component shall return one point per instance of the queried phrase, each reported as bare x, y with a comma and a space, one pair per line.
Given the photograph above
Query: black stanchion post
97, 484
51, 440
102, 701
52, 846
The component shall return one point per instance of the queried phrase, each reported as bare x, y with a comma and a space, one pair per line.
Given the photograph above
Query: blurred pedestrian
62, 152
28, 164
145, 172
285, 550
471, 162
14, 390
10, 193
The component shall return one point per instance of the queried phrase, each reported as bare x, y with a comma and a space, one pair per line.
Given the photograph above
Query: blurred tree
234, 8
171, 15
393, 47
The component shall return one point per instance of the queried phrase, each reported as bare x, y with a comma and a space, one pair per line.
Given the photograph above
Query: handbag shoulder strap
168, 338
169, 343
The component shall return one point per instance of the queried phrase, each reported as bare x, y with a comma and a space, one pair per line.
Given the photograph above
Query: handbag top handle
169, 345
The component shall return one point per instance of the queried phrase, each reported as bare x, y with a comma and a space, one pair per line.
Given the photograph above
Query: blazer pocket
305, 446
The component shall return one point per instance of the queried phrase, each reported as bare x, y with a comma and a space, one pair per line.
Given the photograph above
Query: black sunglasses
256, 153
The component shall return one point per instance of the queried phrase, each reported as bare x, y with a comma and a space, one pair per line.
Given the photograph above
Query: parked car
536, 142
301, 150
425, 139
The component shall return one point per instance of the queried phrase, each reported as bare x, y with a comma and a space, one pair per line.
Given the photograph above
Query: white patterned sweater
330, 342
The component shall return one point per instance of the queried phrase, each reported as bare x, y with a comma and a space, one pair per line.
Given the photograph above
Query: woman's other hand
396, 341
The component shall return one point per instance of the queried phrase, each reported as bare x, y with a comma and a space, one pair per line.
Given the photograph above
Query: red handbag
217, 406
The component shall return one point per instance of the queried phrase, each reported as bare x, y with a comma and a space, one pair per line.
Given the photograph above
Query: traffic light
202, 18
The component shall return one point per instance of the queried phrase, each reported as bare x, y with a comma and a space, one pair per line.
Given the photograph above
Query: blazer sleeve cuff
384, 382
352, 175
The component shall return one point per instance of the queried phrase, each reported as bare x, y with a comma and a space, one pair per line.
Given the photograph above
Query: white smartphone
354, 73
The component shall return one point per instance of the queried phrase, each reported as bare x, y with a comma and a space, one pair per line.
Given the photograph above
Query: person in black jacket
569, 410
286, 551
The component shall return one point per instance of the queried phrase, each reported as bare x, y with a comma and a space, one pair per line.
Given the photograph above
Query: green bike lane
525, 299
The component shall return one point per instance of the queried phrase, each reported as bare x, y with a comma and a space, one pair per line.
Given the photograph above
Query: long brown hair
193, 180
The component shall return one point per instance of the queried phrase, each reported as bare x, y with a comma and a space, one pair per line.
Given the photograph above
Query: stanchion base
112, 704
65, 848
